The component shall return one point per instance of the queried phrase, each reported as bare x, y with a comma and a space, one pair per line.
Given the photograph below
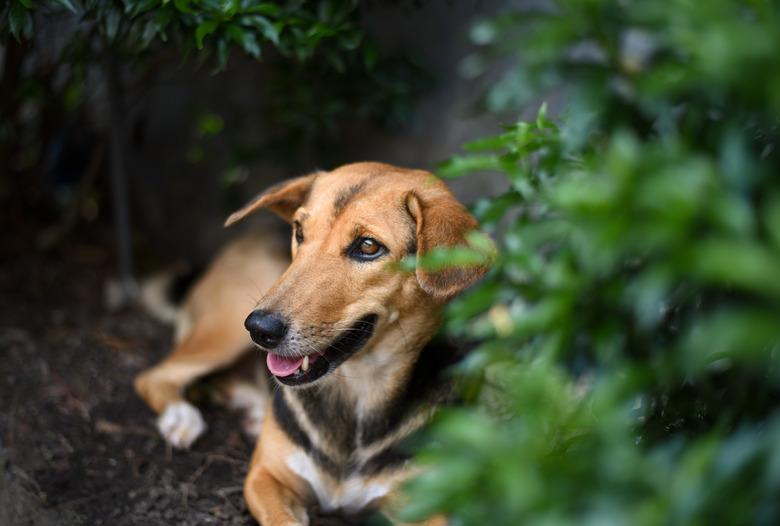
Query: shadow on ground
76, 445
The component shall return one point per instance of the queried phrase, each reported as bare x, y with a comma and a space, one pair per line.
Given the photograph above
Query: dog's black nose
266, 328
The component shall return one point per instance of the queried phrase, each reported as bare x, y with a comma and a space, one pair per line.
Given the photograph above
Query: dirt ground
76, 445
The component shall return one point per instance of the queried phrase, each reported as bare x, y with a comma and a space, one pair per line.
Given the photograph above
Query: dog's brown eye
366, 249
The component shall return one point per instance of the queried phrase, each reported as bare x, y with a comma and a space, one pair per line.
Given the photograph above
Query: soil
77, 446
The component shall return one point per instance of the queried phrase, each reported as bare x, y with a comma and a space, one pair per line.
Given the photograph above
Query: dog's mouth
306, 369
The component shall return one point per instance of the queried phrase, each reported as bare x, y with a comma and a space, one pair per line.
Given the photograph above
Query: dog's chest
347, 452
352, 493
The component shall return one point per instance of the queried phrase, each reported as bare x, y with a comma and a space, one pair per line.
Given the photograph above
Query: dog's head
342, 292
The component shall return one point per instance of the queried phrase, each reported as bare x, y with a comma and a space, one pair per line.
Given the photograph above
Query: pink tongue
281, 366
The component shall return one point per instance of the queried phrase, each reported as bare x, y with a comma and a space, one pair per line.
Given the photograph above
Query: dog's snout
266, 328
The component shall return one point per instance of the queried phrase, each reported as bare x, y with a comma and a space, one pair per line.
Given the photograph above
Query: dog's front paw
181, 424
252, 402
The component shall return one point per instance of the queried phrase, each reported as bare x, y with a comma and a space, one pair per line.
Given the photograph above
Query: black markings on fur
332, 416
411, 243
337, 423
289, 424
336, 353
345, 196
182, 283
411, 247
351, 341
386, 460
425, 387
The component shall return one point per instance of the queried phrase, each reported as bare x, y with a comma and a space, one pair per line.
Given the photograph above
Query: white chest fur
351, 494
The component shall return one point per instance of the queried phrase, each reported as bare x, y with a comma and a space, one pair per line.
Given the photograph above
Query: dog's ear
442, 222
283, 199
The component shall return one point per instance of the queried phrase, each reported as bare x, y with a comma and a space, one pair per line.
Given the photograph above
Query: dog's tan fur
322, 293
209, 332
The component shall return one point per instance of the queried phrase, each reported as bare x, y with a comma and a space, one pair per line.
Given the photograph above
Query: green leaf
223, 53
493, 143
541, 118
210, 124
737, 263
161, 19
20, 21
183, 6
251, 46
203, 30
461, 165
267, 29
236, 33
444, 258
230, 8
148, 33
111, 23
265, 8
737, 334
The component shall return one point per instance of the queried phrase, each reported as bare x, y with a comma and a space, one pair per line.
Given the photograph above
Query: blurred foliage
295, 28
381, 91
627, 370
51, 81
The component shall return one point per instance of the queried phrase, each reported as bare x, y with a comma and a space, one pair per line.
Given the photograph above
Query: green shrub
302, 43
296, 29
627, 371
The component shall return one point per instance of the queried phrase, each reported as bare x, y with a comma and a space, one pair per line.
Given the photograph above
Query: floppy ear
283, 198
442, 222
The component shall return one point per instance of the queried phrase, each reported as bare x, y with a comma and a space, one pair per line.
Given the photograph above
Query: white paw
252, 422
253, 403
181, 424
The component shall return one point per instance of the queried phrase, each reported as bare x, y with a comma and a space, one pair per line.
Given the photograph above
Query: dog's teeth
305, 365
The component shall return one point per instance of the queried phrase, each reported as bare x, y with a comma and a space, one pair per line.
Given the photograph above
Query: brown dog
346, 333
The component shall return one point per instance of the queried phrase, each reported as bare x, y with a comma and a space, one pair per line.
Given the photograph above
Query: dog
347, 337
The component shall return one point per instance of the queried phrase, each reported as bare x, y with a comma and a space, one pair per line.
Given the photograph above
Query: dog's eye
298, 231
366, 249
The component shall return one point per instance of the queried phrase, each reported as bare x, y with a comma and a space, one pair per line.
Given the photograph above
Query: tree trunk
128, 288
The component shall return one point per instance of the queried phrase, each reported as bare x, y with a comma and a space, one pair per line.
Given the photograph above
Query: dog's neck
372, 377
374, 399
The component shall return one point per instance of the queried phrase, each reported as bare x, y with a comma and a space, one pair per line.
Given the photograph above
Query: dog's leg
252, 401
270, 502
273, 493
395, 501
244, 387
208, 347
